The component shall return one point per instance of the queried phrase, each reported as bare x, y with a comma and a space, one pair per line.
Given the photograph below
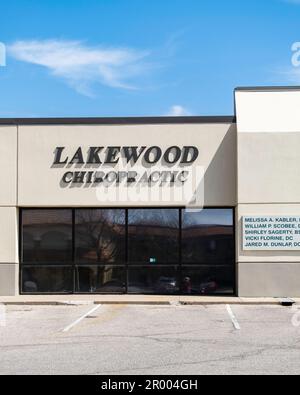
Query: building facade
170, 205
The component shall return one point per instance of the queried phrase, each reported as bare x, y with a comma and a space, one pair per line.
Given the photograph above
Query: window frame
73, 264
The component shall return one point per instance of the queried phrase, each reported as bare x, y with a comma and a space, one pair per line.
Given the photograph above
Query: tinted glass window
100, 279
47, 236
47, 279
100, 236
207, 280
153, 280
153, 236
138, 250
207, 236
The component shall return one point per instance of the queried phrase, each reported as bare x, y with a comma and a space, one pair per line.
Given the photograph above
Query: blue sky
142, 57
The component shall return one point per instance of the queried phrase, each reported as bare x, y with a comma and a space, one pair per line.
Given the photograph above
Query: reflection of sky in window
116, 216
153, 217
136, 216
190, 217
207, 217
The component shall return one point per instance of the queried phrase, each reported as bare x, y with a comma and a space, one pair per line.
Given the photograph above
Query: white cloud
82, 66
178, 111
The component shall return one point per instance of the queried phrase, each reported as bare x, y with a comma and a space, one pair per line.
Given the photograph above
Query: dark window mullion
21, 235
73, 250
180, 249
126, 251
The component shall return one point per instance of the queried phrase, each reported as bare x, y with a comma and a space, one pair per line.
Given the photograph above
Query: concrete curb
142, 300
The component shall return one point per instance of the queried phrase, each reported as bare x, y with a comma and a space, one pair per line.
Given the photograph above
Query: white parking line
233, 318
69, 327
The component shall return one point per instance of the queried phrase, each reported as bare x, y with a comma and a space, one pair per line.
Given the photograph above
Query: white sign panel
271, 233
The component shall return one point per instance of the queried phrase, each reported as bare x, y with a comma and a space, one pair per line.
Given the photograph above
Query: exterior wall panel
268, 168
9, 279
39, 181
268, 110
262, 279
9, 267
9, 235
268, 126
8, 165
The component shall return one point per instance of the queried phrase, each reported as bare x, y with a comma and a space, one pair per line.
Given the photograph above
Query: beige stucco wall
268, 152
8, 251
9, 279
269, 279
268, 167
268, 110
39, 183
8, 212
8, 165
9, 235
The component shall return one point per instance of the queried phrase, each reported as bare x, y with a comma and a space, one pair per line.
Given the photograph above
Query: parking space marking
233, 318
69, 327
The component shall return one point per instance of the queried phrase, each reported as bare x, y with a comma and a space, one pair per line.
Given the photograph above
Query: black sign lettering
171, 157
111, 156
67, 177
132, 153
78, 177
77, 158
57, 158
190, 154
156, 152
93, 157
172, 151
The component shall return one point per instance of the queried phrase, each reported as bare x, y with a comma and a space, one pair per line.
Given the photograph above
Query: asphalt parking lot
128, 339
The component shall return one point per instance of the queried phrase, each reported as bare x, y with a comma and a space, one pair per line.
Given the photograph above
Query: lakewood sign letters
271, 233
128, 164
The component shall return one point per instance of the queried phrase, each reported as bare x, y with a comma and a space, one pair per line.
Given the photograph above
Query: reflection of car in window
30, 286
167, 285
208, 287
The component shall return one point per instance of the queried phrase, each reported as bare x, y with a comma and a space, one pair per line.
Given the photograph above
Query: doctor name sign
271, 233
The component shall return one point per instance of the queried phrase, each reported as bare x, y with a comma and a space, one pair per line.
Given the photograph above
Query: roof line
268, 88
118, 121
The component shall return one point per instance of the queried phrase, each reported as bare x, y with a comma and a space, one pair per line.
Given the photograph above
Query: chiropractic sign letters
128, 164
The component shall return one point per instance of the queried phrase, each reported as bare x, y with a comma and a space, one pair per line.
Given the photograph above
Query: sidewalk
134, 300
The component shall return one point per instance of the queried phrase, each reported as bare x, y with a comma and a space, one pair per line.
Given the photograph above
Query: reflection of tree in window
100, 235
